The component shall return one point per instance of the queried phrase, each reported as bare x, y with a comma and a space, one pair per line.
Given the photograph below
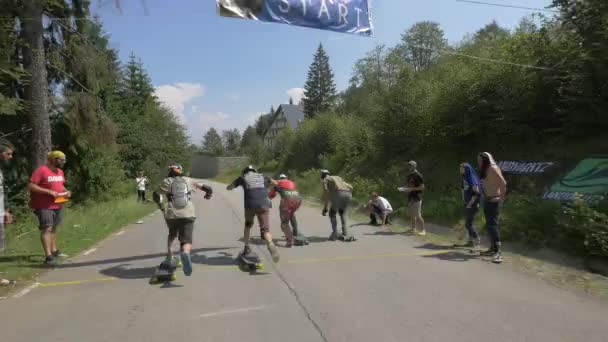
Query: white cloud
296, 94
208, 120
176, 96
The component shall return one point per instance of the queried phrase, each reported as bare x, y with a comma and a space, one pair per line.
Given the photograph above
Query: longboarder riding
180, 214
290, 203
339, 194
257, 204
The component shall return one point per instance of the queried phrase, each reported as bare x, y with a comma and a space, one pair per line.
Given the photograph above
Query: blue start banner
346, 16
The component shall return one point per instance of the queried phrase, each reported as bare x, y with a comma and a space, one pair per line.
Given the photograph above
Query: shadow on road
123, 272
258, 241
222, 260
362, 224
434, 247
452, 256
261, 242
384, 233
170, 285
22, 257
128, 259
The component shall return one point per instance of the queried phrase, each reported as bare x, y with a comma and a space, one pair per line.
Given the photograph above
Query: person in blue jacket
471, 195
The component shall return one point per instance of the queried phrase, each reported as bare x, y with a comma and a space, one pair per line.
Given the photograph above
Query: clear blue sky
220, 72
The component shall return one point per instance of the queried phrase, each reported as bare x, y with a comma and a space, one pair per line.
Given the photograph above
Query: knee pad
248, 224
332, 212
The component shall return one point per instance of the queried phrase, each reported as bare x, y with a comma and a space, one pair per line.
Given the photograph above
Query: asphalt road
382, 287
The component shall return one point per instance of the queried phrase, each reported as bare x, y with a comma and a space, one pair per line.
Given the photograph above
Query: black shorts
49, 218
182, 229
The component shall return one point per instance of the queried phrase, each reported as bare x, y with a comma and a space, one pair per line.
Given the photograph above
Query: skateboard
164, 273
250, 262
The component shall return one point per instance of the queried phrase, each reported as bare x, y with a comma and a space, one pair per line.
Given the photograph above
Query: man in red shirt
290, 203
47, 195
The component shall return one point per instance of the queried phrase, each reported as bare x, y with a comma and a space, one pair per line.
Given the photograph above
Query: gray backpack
180, 194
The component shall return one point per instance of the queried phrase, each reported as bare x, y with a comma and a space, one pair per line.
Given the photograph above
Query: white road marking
120, 233
228, 312
89, 251
26, 290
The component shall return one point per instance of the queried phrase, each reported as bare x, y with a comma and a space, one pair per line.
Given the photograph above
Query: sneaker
274, 251
187, 263
50, 261
422, 233
58, 254
497, 259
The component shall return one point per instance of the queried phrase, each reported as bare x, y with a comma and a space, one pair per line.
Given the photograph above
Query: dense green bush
582, 229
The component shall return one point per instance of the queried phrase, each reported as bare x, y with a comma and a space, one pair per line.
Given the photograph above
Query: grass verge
82, 228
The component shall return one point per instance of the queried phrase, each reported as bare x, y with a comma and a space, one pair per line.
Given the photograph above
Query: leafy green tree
232, 141
422, 44
212, 143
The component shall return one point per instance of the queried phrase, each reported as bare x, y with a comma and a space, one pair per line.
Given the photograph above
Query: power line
497, 61
508, 6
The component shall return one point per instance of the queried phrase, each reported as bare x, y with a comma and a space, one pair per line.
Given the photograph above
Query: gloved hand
208, 191
324, 212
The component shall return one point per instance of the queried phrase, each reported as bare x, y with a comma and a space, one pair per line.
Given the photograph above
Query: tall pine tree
320, 89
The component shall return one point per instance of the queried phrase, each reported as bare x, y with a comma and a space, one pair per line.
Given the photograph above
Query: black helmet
248, 169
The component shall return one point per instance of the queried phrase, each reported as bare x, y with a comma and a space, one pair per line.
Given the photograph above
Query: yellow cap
56, 155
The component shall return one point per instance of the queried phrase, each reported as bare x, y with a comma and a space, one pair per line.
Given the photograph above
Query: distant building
286, 115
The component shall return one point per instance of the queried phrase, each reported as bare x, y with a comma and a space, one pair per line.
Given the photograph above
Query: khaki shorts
415, 208
181, 228
263, 215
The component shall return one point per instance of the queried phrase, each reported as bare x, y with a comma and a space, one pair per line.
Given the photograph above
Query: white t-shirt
383, 204
141, 183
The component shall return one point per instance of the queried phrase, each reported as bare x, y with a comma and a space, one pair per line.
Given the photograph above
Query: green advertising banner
589, 179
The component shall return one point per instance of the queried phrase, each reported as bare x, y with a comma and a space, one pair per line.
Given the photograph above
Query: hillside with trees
538, 92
